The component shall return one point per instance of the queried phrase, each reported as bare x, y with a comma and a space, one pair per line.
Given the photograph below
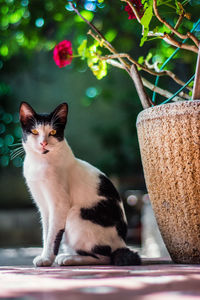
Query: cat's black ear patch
26, 112
59, 115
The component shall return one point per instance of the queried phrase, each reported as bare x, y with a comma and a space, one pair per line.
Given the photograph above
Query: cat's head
42, 133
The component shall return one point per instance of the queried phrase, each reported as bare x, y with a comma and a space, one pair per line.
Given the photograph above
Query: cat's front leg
56, 225
40, 259
43, 207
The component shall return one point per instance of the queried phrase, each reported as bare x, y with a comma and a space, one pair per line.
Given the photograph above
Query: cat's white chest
38, 170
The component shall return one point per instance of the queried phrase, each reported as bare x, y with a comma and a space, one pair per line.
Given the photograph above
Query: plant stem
86, 21
149, 85
159, 90
168, 39
131, 69
107, 45
144, 98
147, 68
181, 36
178, 23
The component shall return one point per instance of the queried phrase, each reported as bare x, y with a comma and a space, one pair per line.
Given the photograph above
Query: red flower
62, 54
139, 7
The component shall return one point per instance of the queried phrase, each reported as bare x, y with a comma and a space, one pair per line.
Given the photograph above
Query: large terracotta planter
169, 138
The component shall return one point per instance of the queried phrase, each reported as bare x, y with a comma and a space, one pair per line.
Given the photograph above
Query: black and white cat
77, 202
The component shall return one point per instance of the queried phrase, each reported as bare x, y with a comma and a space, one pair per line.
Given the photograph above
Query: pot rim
188, 107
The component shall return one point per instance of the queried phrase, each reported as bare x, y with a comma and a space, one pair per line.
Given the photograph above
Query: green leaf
97, 66
92, 60
191, 83
88, 15
149, 56
141, 60
111, 35
82, 49
179, 8
4, 50
16, 16
146, 19
100, 69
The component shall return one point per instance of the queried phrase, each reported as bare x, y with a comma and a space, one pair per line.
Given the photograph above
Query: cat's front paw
41, 261
64, 260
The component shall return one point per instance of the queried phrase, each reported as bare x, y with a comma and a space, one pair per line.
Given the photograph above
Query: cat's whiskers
19, 147
14, 145
18, 151
14, 155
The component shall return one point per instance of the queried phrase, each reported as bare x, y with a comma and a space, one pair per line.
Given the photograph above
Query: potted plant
168, 133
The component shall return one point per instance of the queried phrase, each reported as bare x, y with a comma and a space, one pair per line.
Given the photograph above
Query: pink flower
62, 54
139, 7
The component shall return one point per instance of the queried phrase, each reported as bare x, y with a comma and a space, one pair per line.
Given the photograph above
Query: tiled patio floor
155, 279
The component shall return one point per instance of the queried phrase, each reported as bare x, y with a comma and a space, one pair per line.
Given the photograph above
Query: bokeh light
9, 139
10, 135
39, 22
18, 132
1, 142
4, 160
68, 7
24, 3
2, 128
17, 162
16, 117
91, 92
90, 5
7, 118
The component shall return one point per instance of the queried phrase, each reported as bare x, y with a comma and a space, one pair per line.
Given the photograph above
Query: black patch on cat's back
106, 212
57, 241
121, 227
107, 189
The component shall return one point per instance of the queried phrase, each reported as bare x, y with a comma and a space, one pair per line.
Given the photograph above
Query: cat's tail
125, 257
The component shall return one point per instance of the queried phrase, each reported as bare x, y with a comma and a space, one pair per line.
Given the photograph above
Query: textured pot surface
169, 138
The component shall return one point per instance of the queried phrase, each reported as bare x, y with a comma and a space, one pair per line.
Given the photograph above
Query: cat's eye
34, 131
52, 132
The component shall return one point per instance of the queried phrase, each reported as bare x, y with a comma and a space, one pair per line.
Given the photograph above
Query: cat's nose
44, 143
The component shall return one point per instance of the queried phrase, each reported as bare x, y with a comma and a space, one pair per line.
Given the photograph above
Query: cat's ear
59, 115
26, 112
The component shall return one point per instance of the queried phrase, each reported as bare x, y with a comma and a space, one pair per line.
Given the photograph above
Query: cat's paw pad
65, 260
41, 261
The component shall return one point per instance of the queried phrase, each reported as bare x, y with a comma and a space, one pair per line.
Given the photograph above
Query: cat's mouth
45, 151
